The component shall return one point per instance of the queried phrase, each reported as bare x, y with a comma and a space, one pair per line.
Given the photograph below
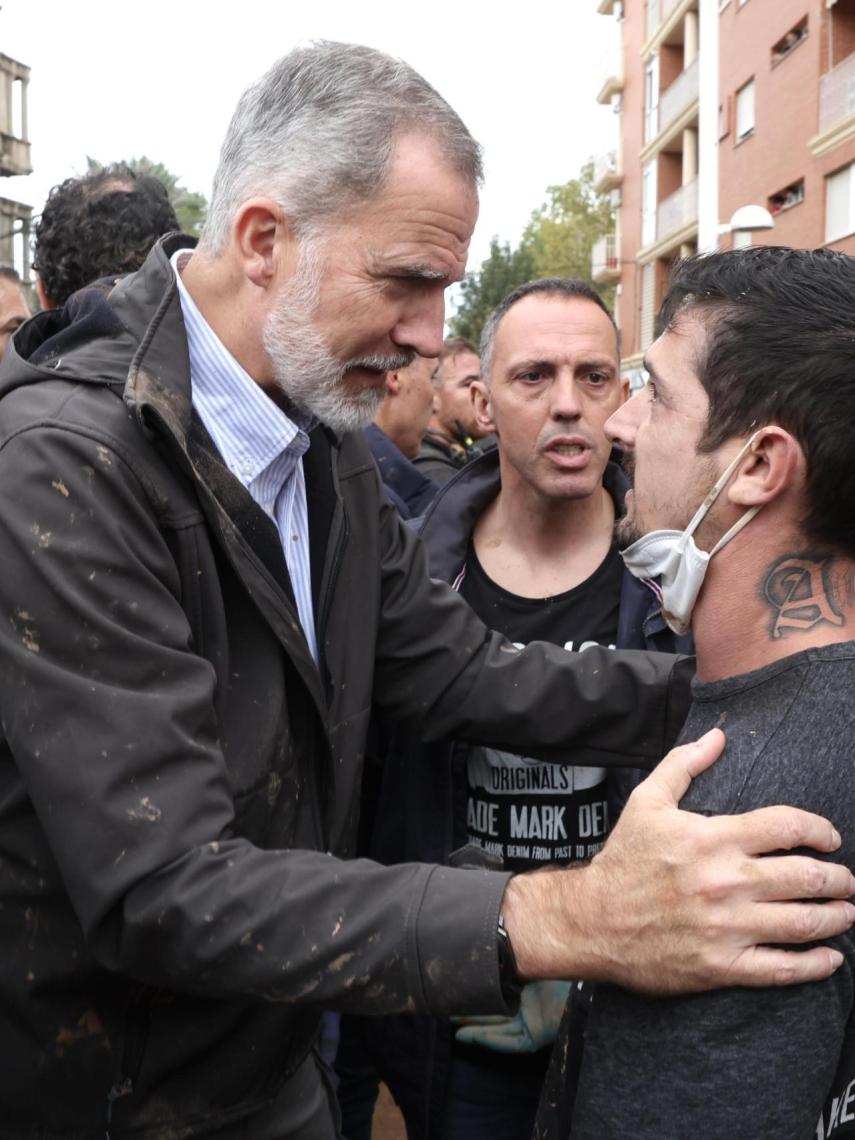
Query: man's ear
774, 465
479, 394
624, 389
264, 241
393, 383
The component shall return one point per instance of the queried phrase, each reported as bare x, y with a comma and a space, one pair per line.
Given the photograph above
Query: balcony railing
837, 93
605, 262
657, 11
682, 92
14, 137
606, 174
677, 211
15, 222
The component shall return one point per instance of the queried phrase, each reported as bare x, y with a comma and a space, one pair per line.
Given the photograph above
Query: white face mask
673, 558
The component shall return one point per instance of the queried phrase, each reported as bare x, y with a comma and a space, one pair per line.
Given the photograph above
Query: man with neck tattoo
742, 517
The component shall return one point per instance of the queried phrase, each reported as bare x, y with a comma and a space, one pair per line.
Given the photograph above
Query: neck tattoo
798, 591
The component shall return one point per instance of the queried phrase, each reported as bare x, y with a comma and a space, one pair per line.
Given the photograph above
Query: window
745, 111
785, 199
840, 204
651, 99
648, 203
790, 41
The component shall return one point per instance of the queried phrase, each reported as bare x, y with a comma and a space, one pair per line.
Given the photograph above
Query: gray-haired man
204, 590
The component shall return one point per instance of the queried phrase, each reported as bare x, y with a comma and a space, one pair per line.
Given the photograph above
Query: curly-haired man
96, 226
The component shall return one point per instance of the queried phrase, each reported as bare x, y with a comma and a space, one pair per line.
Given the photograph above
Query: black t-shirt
526, 812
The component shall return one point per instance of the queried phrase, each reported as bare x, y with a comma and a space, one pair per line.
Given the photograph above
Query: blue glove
534, 1026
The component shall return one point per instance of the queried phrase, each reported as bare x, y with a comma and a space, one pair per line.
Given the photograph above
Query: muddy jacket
421, 813
178, 779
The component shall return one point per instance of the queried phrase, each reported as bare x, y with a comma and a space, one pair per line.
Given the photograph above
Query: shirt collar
250, 431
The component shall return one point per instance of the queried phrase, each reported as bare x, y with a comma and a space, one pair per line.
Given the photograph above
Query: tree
482, 290
557, 242
562, 232
190, 207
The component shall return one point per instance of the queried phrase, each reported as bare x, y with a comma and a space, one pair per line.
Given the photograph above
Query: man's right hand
678, 902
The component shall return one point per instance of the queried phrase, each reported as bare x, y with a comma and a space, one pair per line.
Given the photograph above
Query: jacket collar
148, 305
451, 519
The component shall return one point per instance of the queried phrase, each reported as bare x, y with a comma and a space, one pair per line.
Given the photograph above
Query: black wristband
508, 974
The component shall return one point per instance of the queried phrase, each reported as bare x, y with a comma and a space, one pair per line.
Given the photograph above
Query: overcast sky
117, 80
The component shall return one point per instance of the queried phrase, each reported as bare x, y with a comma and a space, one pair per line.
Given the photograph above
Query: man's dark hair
9, 273
780, 348
549, 287
102, 224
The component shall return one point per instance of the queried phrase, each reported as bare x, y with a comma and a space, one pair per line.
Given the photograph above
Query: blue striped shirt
258, 443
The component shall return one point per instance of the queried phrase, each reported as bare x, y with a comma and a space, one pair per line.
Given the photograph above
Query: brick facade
804, 130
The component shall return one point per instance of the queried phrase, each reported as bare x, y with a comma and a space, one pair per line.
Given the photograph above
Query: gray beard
311, 378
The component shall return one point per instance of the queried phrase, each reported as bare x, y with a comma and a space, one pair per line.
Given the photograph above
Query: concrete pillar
6, 106
708, 82
690, 38
25, 132
690, 155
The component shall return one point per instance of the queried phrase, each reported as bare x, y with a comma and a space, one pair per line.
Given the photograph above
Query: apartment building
786, 137
15, 217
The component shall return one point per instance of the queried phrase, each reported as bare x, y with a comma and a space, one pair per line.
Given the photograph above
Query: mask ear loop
714, 493
735, 529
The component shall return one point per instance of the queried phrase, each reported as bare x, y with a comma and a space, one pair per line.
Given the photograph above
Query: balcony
837, 93
14, 140
657, 12
607, 177
673, 104
679, 96
677, 211
14, 156
611, 65
605, 262
15, 223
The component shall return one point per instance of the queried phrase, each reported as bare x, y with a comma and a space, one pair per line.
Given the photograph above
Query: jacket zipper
328, 584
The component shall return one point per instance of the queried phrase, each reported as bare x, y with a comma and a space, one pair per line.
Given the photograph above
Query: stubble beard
311, 378
627, 530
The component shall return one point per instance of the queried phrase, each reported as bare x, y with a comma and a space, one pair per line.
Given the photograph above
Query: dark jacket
421, 814
441, 456
410, 489
179, 781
